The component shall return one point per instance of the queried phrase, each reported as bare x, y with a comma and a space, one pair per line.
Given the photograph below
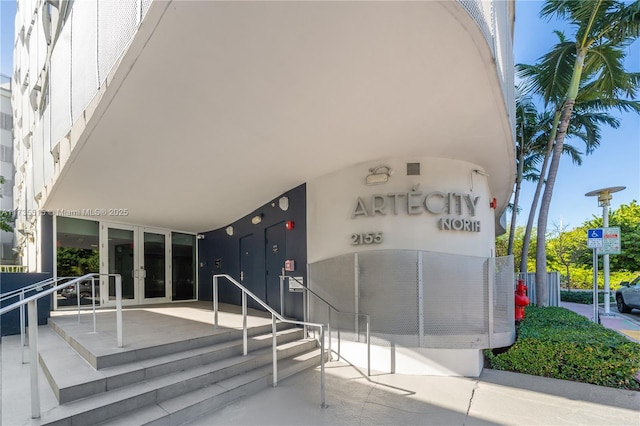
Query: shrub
555, 342
577, 296
582, 278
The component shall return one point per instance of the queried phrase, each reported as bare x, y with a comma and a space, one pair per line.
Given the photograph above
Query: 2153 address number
366, 238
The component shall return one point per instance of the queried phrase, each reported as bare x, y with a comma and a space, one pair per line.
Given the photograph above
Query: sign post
604, 201
595, 242
595, 286
611, 245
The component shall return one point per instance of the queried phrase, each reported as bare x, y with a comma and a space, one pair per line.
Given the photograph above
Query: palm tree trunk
542, 295
526, 240
516, 197
514, 215
534, 204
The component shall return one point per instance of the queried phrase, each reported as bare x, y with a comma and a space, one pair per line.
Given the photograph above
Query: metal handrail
32, 313
34, 286
20, 293
329, 307
274, 316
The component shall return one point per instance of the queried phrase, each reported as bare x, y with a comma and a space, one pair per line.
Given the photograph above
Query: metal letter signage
415, 203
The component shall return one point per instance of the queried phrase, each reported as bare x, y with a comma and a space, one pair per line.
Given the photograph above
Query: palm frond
624, 24
573, 153
604, 67
551, 76
600, 105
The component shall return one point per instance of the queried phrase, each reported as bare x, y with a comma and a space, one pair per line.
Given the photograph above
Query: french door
142, 256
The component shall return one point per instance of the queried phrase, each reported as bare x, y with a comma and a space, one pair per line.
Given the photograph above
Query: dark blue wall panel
46, 245
220, 253
10, 322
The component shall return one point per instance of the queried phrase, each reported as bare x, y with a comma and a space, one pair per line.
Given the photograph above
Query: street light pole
604, 200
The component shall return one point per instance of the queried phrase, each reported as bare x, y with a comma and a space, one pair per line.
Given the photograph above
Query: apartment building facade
364, 148
7, 254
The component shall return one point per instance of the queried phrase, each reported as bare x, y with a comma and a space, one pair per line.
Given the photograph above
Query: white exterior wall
342, 204
331, 201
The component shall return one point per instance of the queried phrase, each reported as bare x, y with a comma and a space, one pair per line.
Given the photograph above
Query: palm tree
593, 63
585, 126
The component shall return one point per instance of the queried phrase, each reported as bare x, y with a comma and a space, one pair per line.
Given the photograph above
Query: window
77, 254
183, 249
6, 188
6, 153
6, 121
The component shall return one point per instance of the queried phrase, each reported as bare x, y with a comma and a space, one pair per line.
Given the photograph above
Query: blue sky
7, 15
615, 163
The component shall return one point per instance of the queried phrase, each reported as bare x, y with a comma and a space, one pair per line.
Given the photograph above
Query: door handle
241, 275
143, 272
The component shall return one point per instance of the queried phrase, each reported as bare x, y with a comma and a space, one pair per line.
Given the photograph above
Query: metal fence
419, 298
553, 287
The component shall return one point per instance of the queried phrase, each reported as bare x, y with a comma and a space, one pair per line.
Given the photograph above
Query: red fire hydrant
521, 300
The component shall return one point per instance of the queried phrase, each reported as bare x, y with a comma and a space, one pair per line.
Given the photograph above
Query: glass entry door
118, 256
155, 264
142, 257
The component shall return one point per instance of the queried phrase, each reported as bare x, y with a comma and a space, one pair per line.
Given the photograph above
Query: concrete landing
146, 328
148, 331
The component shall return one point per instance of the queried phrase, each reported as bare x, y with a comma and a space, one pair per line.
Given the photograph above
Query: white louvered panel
41, 47
46, 135
60, 86
84, 74
37, 157
34, 71
117, 24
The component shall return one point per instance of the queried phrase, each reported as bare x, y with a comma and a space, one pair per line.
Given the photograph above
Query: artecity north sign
415, 202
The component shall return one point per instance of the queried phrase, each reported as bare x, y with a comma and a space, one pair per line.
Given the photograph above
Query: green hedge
555, 342
585, 297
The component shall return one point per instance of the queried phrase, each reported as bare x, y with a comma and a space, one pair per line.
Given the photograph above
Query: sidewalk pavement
625, 325
494, 398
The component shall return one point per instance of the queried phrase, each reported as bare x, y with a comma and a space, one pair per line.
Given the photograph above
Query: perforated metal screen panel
34, 39
117, 23
503, 297
387, 286
455, 300
60, 86
84, 73
481, 12
37, 153
467, 302
145, 7
333, 280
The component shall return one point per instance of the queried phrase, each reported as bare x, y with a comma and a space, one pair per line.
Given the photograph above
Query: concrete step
192, 405
107, 355
72, 378
107, 405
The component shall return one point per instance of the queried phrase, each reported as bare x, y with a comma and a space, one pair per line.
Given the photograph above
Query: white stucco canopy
219, 107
